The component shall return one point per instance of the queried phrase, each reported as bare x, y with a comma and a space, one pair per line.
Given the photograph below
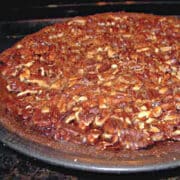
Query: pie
108, 80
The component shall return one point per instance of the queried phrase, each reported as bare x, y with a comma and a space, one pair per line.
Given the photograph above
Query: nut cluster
110, 80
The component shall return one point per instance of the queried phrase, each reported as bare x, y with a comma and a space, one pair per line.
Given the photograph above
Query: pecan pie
109, 80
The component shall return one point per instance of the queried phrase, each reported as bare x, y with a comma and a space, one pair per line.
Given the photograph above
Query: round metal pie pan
158, 157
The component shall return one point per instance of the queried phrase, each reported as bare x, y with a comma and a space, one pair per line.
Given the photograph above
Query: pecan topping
108, 80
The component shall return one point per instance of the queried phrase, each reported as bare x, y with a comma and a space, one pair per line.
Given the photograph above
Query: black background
29, 9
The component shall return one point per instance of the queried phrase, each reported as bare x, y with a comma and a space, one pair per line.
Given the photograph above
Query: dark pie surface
109, 80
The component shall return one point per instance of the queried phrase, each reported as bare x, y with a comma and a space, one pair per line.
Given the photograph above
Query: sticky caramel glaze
109, 80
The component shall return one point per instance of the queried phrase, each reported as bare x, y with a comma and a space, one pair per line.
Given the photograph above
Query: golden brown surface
110, 80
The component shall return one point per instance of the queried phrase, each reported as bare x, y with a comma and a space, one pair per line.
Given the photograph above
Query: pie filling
109, 80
